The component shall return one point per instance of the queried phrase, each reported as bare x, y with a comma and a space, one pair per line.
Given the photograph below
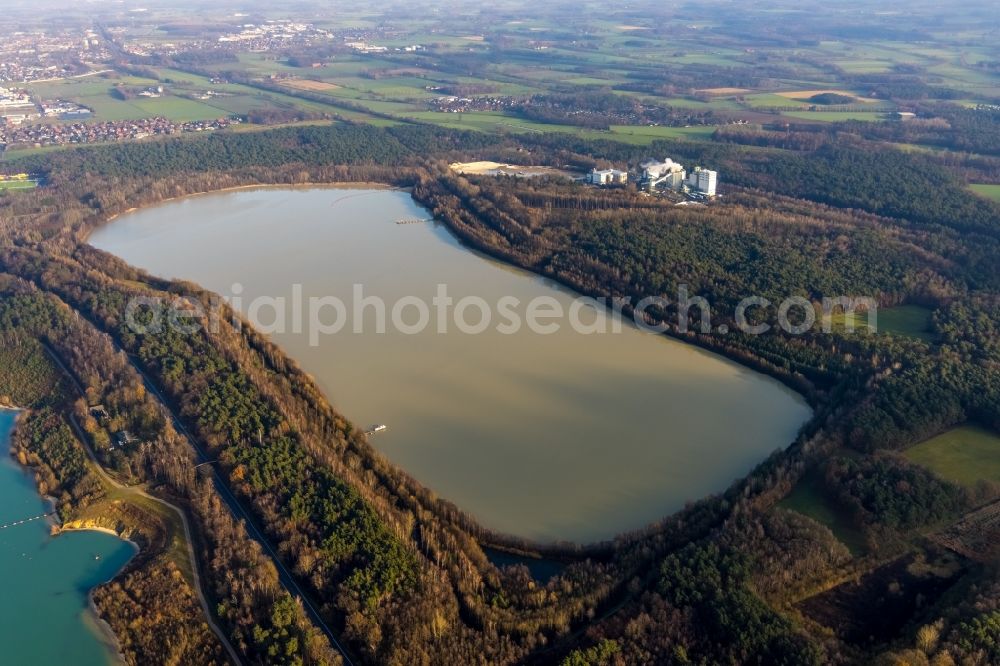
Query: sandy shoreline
93, 616
103, 530
100, 626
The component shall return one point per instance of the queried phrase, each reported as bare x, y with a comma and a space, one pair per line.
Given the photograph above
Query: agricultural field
771, 100
965, 455
537, 60
805, 95
311, 85
836, 116
487, 121
724, 91
97, 95
703, 72
186, 97
642, 135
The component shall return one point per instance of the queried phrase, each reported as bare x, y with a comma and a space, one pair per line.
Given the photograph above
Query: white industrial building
607, 177
16, 107
703, 181
666, 173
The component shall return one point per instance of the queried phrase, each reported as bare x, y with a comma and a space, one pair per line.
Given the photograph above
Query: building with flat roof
607, 177
703, 181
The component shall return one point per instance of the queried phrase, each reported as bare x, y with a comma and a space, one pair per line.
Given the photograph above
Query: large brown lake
562, 436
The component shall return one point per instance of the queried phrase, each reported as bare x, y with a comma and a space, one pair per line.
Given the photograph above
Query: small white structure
703, 181
607, 177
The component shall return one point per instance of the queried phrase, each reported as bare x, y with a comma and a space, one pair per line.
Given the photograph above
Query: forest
42, 327
400, 575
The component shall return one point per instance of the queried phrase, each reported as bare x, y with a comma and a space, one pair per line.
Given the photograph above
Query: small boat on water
377, 428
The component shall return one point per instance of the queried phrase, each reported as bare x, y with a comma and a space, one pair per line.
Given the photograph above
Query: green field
180, 103
990, 191
6, 185
836, 116
96, 94
770, 100
14, 153
489, 121
964, 455
617, 57
809, 498
719, 103
911, 321
643, 134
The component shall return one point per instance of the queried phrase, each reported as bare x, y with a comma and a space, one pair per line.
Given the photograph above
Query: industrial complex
654, 175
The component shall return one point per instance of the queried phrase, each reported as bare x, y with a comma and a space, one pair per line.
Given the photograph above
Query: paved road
284, 575
198, 589
241, 514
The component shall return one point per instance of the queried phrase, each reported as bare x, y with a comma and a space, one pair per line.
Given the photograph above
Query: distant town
42, 135
127, 68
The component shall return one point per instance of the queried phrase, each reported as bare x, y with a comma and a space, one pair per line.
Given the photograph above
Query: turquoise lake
44, 615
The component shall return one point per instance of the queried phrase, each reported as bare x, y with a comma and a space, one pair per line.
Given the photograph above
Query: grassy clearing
965, 455
989, 191
176, 546
12, 185
809, 498
911, 321
14, 153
